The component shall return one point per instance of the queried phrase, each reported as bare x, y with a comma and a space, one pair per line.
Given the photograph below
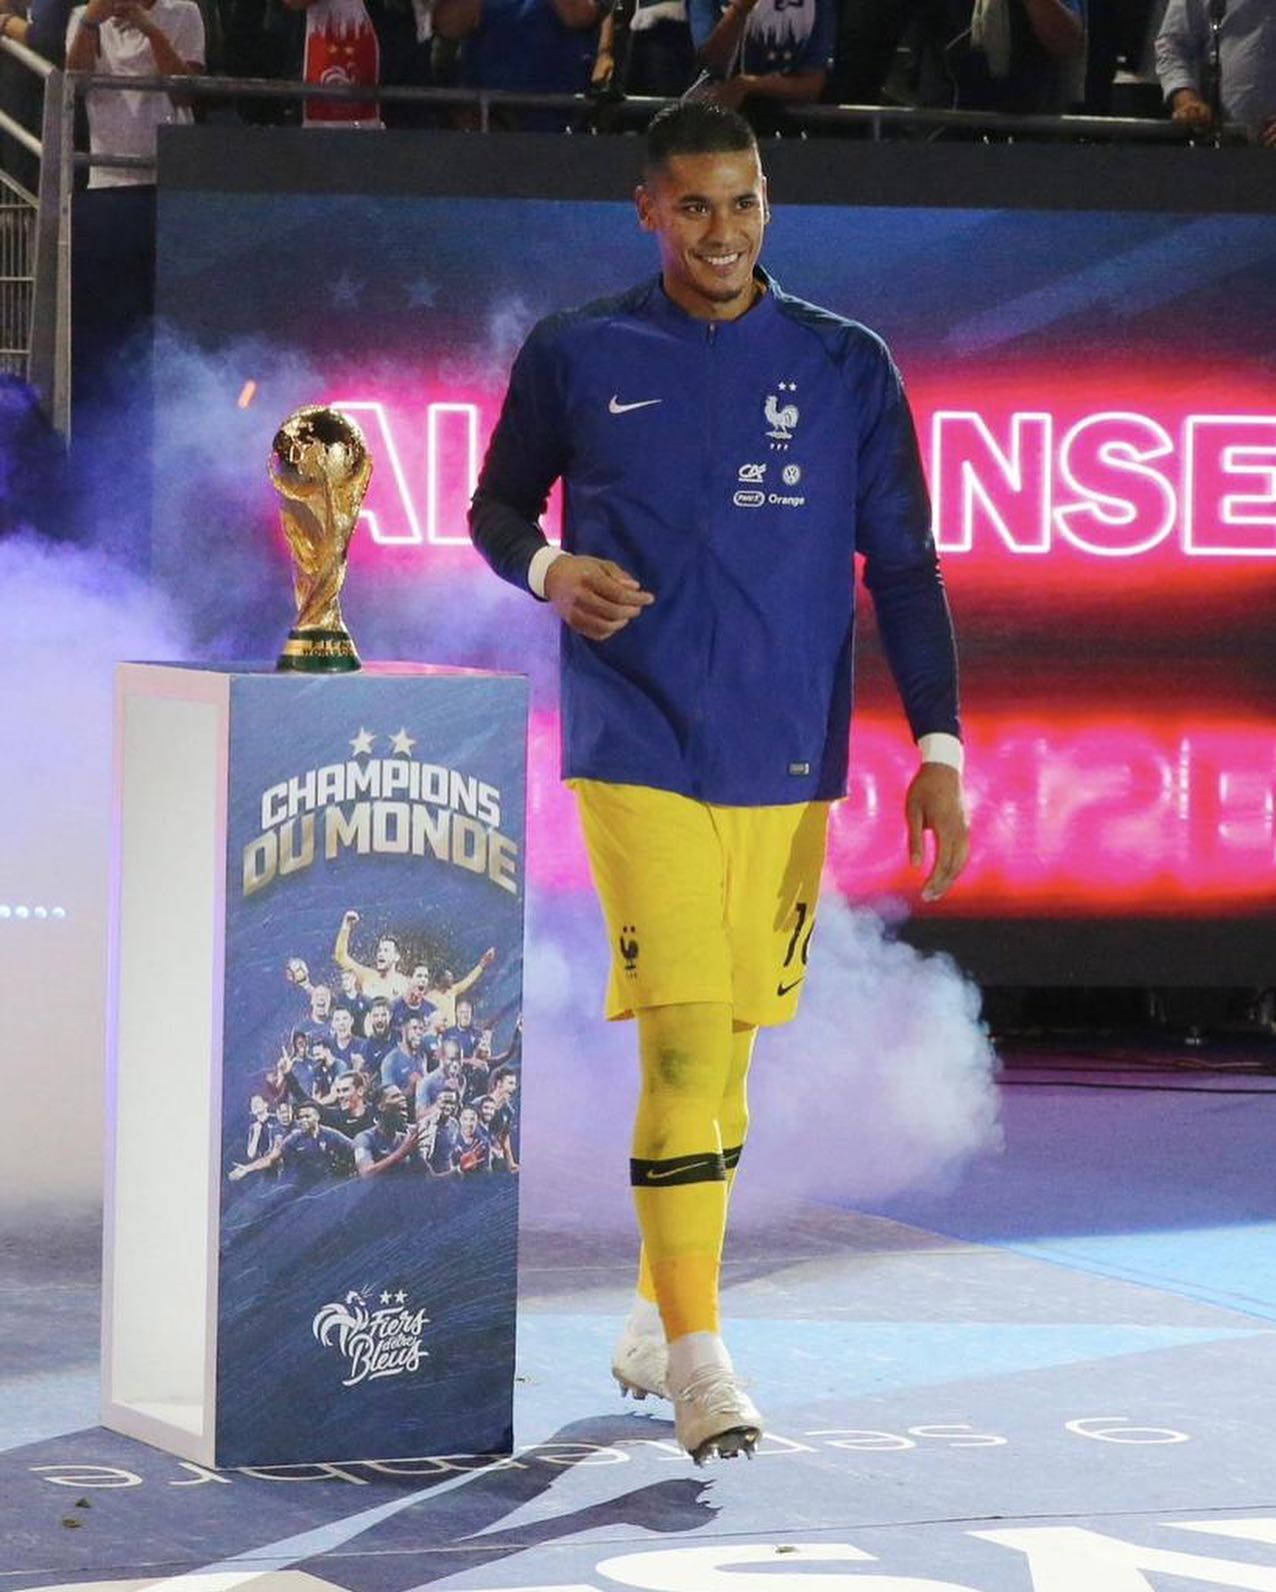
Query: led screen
1093, 390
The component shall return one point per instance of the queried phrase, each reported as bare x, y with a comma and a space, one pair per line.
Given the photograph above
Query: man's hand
732, 93
134, 15
349, 919
1190, 110
1267, 132
934, 801
593, 596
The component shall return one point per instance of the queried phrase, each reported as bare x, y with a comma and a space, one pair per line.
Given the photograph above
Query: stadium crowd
762, 56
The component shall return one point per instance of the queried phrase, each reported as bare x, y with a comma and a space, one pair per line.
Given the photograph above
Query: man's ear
646, 207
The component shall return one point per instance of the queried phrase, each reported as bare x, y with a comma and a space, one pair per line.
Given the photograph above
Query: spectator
1247, 60
763, 54
133, 38
531, 46
1025, 57
644, 47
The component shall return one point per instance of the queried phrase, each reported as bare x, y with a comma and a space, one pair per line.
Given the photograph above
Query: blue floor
1154, 1180
1059, 1376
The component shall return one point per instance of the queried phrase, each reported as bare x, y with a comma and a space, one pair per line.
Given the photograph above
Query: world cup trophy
320, 465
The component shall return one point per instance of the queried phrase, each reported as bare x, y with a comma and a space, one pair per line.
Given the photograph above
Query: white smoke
883, 1084
73, 614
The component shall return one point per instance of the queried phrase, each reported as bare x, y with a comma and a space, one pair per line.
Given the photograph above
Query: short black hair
696, 127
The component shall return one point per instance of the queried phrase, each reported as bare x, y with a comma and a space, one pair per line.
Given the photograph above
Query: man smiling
727, 450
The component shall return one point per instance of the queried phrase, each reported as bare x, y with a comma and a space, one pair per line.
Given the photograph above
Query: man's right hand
1190, 110
593, 596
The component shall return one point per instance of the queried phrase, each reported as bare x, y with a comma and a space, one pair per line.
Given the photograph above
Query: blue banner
372, 1066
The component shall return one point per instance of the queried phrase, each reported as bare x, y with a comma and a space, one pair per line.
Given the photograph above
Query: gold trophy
320, 465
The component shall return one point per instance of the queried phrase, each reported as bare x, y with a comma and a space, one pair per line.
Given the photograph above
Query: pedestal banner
314, 1072
370, 1101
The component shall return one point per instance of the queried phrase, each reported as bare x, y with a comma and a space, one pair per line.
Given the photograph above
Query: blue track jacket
734, 468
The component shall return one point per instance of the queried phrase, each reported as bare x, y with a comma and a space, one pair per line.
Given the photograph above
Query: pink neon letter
981, 481
1124, 505
1222, 452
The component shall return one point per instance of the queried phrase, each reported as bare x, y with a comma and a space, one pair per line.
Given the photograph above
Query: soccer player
446, 991
379, 1038
727, 450
347, 1051
472, 1152
463, 1030
389, 1144
310, 1154
383, 977
405, 1065
500, 1122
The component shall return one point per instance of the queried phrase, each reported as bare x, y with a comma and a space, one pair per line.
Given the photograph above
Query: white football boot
713, 1416
639, 1362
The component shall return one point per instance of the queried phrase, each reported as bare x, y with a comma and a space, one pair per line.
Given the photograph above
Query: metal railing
35, 229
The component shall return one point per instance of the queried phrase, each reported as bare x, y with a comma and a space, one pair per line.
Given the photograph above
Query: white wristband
539, 568
939, 747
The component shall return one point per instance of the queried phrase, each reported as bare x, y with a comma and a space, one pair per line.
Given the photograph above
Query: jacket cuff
940, 747
537, 570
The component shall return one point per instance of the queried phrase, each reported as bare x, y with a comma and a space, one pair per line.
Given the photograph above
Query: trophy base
318, 652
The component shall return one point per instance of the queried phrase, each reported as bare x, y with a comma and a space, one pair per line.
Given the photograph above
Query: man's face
379, 1020
451, 1053
342, 1024
319, 1053
469, 1121
487, 1110
393, 1109
349, 1095
708, 213
259, 1109
420, 982
387, 956
321, 1000
505, 1089
413, 1033
284, 1112
464, 1014
349, 985
308, 1120
448, 1101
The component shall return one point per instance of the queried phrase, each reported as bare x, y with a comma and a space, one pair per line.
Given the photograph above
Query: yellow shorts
703, 903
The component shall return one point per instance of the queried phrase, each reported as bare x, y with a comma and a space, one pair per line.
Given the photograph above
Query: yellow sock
733, 1127
677, 1170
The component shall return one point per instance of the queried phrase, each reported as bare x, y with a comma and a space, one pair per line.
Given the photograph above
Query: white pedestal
253, 811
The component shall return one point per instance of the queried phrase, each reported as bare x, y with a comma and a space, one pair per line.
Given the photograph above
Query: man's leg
677, 1169
733, 1127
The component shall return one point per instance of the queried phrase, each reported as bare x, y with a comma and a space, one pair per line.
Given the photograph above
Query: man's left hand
935, 802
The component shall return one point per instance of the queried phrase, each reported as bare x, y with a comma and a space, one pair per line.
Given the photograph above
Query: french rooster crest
782, 421
344, 1318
